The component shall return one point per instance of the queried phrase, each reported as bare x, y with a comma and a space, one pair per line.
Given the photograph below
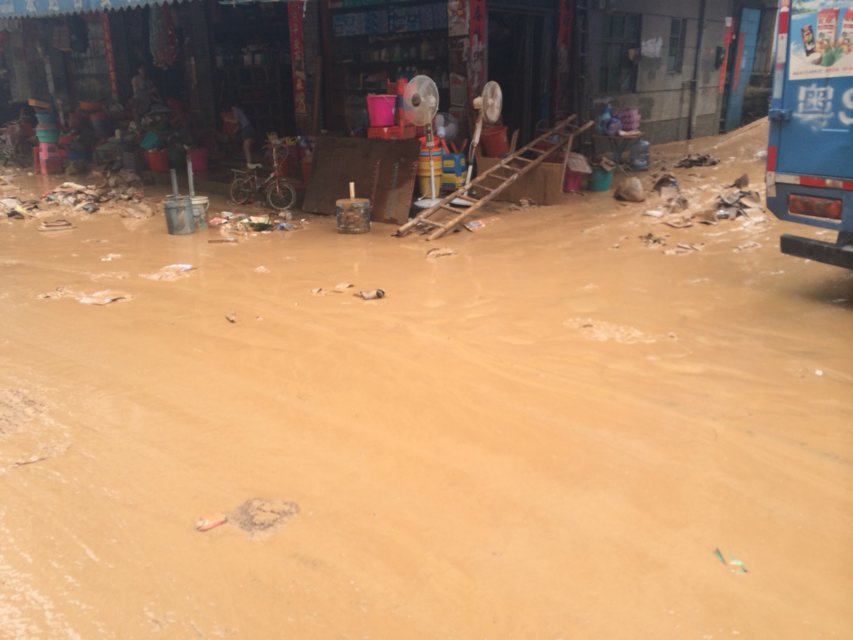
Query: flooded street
546, 434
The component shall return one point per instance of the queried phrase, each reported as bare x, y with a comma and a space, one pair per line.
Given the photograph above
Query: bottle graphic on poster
808, 39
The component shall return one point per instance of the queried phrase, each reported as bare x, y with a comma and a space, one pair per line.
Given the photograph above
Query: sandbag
630, 190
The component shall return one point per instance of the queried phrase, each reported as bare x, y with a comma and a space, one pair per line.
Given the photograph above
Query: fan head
420, 101
492, 102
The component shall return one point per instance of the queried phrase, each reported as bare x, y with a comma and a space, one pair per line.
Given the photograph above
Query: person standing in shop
245, 132
145, 93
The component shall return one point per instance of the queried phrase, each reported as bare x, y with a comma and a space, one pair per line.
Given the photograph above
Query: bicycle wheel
242, 190
281, 195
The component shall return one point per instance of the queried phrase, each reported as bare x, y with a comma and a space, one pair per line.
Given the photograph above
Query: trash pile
736, 203
243, 223
16, 208
697, 160
123, 186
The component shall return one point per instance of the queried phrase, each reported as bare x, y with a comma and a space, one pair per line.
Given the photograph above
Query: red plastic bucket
572, 181
380, 110
158, 160
494, 142
199, 159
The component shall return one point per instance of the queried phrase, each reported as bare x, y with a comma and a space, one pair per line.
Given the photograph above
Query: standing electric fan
488, 107
420, 104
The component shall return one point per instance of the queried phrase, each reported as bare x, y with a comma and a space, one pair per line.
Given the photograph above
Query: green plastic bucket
600, 180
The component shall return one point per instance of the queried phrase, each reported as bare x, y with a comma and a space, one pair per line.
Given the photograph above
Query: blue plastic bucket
600, 180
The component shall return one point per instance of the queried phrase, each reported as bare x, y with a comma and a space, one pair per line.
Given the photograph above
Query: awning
50, 8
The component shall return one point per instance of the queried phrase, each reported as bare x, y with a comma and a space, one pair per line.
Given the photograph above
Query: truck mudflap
839, 254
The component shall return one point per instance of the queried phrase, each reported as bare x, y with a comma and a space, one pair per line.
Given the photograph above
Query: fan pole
431, 167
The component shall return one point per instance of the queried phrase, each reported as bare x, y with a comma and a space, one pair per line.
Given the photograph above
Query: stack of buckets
47, 132
434, 155
100, 120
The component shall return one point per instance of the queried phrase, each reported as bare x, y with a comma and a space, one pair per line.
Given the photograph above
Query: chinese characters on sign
297, 56
815, 105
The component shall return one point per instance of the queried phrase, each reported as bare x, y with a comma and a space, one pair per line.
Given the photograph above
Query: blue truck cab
810, 149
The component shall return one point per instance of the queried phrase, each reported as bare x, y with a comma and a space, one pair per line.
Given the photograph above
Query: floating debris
259, 515
440, 252
210, 522
697, 160
169, 272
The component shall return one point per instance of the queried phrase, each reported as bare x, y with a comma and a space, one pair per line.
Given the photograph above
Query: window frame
675, 60
617, 70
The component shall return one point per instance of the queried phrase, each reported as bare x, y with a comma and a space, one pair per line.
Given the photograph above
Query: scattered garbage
697, 160
666, 180
741, 183
474, 225
440, 252
818, 373
747, 246
231, 317
110, 257
734, 565
55, 225
260, 515
736, 203
210, 522
261, 269
683, 247
630, 190
120, 187
169, 272
16, 208
371, 294
343, 286
98, 298
652, 240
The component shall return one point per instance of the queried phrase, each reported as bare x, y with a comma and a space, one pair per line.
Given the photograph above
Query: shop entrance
520, 52
253, 67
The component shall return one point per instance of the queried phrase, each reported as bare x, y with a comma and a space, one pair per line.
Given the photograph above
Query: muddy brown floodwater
547, 434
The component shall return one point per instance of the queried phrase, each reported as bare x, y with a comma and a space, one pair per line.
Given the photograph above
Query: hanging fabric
61, 38
163, 38
79, 32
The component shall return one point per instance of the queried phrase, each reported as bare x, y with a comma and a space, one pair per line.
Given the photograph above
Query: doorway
520, 51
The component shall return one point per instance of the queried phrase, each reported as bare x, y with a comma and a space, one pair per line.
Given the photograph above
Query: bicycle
278, 191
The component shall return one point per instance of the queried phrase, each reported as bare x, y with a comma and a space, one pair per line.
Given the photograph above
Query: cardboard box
543, 185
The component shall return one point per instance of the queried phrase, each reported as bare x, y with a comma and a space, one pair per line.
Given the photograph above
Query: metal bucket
179, 215
200, 206
353, 215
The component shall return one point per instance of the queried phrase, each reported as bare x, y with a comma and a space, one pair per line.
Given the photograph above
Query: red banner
295, 9
108, 54
477, 50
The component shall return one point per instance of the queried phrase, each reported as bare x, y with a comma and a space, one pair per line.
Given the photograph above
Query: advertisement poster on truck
821, 39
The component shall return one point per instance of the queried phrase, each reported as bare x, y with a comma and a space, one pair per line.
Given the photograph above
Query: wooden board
383, 171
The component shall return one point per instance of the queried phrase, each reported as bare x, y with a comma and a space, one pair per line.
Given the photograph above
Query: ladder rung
429, 222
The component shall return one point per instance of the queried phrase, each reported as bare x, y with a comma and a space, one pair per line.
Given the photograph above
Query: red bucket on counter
381, 110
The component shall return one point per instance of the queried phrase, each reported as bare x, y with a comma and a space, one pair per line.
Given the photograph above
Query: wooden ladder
441, 218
